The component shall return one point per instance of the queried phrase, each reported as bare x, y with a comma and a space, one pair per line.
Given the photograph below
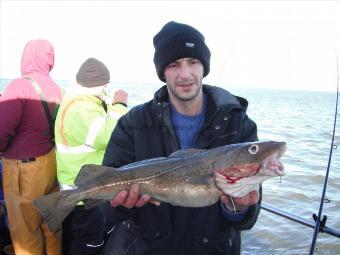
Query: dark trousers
83, 231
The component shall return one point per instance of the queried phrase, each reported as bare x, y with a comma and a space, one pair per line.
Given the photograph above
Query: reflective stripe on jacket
83, 129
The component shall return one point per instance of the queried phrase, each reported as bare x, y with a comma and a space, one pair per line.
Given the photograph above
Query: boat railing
307, 222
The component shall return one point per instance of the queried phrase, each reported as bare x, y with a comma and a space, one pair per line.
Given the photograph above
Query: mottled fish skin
190, 178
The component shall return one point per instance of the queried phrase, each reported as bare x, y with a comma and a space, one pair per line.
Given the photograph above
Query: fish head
242, 167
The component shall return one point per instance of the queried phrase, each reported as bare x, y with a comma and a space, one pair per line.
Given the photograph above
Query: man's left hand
241, 203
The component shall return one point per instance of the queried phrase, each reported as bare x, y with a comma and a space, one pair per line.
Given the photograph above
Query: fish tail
55, 207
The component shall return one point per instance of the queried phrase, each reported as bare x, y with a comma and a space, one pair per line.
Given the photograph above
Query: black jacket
146, 132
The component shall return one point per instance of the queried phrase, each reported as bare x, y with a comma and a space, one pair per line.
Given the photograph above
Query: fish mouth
272, 165
240, 171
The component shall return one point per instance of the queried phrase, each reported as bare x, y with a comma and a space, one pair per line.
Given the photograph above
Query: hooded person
27, 149
83, 127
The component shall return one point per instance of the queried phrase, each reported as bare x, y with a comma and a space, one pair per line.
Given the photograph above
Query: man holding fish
184, 114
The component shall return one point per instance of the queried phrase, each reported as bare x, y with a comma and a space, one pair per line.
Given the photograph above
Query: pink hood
38, 57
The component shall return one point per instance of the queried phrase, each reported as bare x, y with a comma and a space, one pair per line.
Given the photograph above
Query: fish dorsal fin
89, 172
185, 153
146, 161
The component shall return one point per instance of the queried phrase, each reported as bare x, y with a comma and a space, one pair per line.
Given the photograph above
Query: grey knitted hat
93, 73
175, 41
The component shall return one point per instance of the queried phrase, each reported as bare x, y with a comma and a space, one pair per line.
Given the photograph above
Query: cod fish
190, 178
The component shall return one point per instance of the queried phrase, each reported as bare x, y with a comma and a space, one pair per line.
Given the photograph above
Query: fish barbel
190, 178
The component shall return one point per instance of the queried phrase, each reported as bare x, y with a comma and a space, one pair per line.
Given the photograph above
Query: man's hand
240, 203
131, 198
120, 96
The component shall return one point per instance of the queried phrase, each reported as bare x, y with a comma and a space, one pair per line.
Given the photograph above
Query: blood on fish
232, 179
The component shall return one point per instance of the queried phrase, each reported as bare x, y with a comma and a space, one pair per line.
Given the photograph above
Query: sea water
304, 120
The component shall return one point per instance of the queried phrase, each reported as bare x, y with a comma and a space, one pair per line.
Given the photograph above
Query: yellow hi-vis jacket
82, 131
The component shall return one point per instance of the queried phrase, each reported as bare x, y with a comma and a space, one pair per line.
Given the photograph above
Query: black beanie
175, 41
93, 73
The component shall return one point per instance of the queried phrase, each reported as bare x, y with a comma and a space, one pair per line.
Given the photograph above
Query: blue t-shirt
186, 127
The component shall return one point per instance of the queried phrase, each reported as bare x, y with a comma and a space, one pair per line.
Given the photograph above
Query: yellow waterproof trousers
23, 183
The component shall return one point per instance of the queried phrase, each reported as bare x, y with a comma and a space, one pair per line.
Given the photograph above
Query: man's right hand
120, 96
131, 198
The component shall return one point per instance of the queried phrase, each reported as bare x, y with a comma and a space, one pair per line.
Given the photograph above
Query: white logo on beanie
189, 45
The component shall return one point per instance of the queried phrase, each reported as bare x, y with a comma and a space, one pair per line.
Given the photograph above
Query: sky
265, 44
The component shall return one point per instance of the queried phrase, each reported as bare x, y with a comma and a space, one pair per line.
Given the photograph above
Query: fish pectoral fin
90, 203
199, 180
90, 172
185, 152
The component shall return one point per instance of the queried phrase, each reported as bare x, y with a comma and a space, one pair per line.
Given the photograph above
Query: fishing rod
319, 222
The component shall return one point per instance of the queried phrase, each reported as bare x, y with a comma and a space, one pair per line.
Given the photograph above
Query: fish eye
253, 149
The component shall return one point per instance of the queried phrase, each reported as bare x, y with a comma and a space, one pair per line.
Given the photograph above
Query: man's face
184, 78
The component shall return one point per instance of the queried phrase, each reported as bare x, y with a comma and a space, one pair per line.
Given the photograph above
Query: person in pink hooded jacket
27, 150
